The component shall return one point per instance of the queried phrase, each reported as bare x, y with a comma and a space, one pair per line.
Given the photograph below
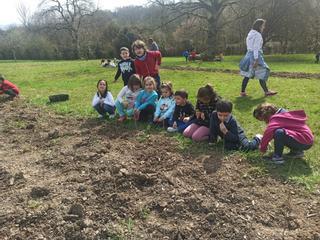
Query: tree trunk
212, 39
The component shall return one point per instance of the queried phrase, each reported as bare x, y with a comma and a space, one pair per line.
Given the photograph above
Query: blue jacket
165, 108
145, 98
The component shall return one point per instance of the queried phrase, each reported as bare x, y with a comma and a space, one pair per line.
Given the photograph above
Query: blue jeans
181, 125
104, 109
123, 111
249, 145
281, 139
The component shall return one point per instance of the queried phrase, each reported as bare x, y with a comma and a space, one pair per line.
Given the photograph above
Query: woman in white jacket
253, 64
103, 101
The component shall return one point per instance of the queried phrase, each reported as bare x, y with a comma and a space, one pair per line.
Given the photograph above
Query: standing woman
253, 64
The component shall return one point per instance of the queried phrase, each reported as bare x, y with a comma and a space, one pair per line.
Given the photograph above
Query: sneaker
101, 116
293, 154
270, 93
258, 137
111, 116
122, 119
277, 160
243, 94
172, 130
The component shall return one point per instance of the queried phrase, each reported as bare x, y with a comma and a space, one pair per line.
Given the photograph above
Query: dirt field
64, 178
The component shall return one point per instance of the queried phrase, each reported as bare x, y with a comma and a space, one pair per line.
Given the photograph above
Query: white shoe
112, 116
172, 130
259, 137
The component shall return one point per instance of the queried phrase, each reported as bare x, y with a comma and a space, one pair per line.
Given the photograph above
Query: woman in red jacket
8, 88
147, 62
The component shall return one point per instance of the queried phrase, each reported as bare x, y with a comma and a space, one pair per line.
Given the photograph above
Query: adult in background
152, 45
253, 64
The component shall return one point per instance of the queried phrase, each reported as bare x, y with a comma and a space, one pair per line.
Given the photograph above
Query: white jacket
107, 100
254, 42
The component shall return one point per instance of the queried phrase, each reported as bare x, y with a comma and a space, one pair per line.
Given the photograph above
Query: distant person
147, 62
186, 55
103, 101
317, 57
125, 66
152, 45
287, 129
8, 88
253, 64
193, 55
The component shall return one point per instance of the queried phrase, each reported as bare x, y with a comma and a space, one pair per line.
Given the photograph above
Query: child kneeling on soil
127, 97
8, 88
165, 106
182, 114
103, 101
145, 104
225, 126
286, 128
207, 99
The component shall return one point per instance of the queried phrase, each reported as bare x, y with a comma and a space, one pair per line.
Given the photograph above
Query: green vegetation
39, 79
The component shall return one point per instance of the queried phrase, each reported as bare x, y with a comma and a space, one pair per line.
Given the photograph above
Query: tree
210, 11
69, 15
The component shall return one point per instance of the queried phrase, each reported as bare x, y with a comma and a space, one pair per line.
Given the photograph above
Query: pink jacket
294, 124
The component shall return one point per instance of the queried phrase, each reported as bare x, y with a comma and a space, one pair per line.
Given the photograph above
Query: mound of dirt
272, 74
99, 180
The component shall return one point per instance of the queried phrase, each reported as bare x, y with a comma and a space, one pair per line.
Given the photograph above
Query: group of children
144, 98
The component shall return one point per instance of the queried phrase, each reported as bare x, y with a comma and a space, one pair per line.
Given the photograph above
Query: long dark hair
106, 91
207, 92
257, 24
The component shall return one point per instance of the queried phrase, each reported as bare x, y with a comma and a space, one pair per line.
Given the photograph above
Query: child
183, 112
145, 104
186, 55
125, 66
147, 62
165, 106
286, 128
8, 88
103, 100
223, 124
127, 96
206, 103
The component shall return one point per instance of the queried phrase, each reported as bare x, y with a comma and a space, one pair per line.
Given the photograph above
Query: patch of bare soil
65, 178
272, 74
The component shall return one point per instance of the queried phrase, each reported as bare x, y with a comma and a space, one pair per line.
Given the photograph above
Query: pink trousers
196, 132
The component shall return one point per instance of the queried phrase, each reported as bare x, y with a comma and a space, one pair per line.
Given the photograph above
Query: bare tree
70, 15
210, 11
24, 14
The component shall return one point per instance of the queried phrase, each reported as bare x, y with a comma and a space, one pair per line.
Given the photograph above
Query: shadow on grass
247, 103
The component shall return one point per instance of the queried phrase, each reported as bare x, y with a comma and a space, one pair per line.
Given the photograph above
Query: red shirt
148, 67
6, 85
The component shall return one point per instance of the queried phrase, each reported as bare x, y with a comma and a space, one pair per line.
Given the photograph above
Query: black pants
146, 115
245, 81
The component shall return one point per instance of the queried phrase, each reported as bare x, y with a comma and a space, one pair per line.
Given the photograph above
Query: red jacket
148, 66
294, 124
6, 85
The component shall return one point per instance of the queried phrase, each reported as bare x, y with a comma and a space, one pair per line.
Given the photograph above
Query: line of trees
74, 29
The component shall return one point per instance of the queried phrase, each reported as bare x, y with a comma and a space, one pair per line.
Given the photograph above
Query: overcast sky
9, 13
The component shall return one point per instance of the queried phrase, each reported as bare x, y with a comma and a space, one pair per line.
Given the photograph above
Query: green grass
277, 63
39, 79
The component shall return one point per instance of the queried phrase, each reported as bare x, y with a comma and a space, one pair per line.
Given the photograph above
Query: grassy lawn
277, 63
38, 80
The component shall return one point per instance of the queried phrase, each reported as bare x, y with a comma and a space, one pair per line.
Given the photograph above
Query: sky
9, 14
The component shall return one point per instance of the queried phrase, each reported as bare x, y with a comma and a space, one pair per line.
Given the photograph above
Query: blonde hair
139, 44
264, 111
150, 79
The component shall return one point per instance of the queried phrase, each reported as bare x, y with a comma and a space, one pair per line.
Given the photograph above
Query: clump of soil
101, 180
